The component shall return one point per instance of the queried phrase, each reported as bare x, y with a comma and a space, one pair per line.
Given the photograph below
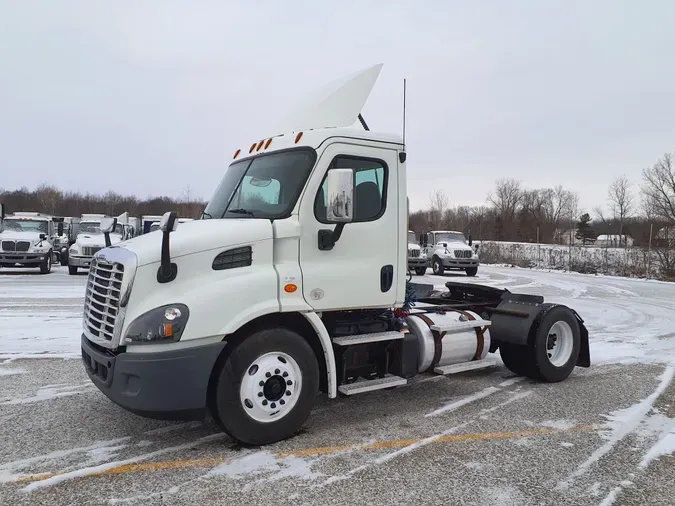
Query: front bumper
169, 385
459, 263
23, 258
417, 262
79, 261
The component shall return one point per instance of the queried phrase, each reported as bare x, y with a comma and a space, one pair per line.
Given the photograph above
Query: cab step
457, 326
465, 366
364, 385
368, 338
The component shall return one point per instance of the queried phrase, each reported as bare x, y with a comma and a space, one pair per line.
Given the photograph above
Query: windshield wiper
241, 211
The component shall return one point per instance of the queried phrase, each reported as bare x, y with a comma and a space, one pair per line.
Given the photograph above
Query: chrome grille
102, 298
8, 246
90, 251
22, 245
463, 253
413, 253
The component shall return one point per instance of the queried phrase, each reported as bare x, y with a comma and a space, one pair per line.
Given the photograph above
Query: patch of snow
611, 497
87, 471
559, 424
49, 393
565, 444
263, 462
463, 402
9, 372
473, 465
621, 423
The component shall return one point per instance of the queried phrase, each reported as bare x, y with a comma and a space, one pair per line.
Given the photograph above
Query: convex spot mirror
340, 195
108, 225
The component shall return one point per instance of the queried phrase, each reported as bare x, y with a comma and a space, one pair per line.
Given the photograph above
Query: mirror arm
328, 238
167, 270
107, 239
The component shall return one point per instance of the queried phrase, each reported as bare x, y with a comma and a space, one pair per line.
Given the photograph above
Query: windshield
262, 187
16, 225
93, 227
412, 239
450, 237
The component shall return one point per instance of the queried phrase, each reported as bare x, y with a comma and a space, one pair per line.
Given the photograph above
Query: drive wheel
471, 271
420, 271
72, 269
266, 387
437, 266
552, 350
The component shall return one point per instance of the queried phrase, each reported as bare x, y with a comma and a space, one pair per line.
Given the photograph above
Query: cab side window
370, 188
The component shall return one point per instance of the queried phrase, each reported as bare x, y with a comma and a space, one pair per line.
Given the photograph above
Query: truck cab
89, 239
450, 250
268, 299
417, 258
25, 241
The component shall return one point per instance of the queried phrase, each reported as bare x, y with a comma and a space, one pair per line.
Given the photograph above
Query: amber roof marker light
298, 137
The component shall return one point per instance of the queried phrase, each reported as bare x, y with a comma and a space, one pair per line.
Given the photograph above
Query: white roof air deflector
337, 104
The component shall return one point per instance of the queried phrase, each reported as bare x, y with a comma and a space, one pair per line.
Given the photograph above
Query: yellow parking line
323, 450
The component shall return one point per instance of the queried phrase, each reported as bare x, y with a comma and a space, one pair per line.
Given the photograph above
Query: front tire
437, 266
46, 265
266, 387
72, 270
552, 350
420, 271
471, 271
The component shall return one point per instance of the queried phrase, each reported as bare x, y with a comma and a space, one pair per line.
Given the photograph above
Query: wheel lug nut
276, 371
264, 403
288, 392
268, 374
282, 401
273, 405
262, 384
289, 382
285, 374
260, 394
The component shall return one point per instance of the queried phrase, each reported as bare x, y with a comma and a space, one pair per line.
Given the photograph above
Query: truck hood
96, 239
198, 236
412, 245
457, 245
11, 235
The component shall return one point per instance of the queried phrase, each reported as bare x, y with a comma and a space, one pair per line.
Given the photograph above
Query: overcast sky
150, 97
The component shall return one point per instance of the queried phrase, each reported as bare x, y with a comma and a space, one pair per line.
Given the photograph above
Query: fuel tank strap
438, 337
480, 335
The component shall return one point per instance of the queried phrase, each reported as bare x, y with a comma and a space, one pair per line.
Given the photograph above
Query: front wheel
46, 265
471, 271
420, 271
72, 270
437, 266
266, 387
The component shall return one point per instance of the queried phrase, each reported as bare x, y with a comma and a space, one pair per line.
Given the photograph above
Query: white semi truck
417, 257
450, 250
89, 239
25, 240
251, 311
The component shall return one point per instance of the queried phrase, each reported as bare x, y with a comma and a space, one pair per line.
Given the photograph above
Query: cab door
361, 269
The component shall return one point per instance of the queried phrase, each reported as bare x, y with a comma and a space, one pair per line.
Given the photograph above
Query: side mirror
2, 211
43, 237
169, 222
470, 240
107, 226
340, 195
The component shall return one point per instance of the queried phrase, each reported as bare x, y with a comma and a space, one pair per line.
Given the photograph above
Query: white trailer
241, 313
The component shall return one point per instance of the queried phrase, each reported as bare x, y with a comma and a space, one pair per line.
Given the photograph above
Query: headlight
73, 251
164, 324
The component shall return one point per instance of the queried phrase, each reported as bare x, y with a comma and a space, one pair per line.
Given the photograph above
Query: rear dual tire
265, 388
552, 350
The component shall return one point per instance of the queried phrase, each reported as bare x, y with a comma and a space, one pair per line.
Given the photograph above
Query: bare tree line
51, 200
515, 213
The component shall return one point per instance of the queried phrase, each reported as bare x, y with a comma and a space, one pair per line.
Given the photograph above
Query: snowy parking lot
605, 436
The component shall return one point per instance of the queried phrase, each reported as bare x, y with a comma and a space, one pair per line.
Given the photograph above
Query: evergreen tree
584, 231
